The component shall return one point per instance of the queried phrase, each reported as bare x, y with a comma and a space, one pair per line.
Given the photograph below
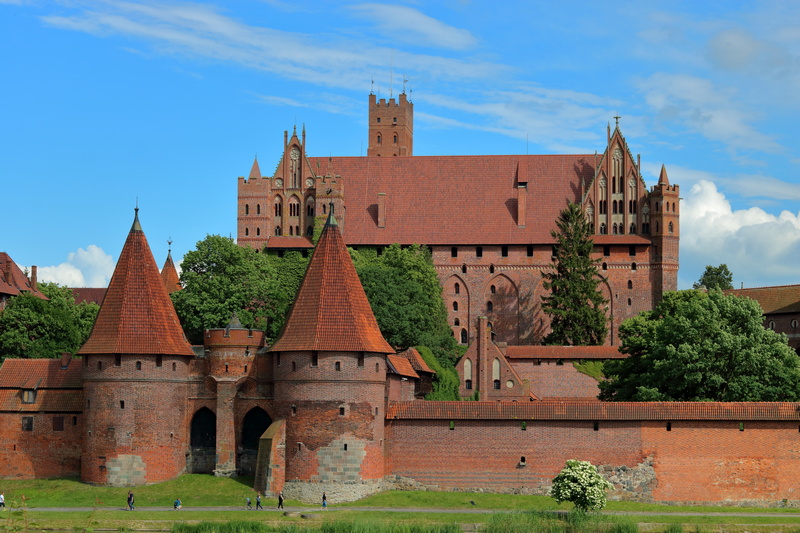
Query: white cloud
755, 245
91, 267
402, 23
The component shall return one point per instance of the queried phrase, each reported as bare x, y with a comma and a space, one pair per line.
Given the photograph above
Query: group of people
178, 504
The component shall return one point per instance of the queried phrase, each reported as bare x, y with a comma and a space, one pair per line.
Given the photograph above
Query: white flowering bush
580, 483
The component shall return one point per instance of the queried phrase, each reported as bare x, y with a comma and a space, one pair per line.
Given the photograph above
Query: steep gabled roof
137, 316
40, 374
446, 215
331, 311
778, 299
416, 360
401, 366
13, 280
169, 275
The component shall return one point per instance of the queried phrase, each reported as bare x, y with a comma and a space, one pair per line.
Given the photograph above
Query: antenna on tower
391, 74
405, 80
372, 86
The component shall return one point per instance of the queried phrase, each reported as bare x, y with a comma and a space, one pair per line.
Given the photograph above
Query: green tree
220, 278
702, 346
580, 483
406, 297
34, 328
575, 305
715, 278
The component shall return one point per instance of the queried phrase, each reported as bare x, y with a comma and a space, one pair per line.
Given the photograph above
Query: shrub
580, 483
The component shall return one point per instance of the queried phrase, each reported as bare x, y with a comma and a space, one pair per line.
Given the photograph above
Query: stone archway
254, 424
202, 456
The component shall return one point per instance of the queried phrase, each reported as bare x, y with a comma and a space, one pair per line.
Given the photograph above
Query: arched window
456, 322
278, 231
493, 289
467, 368
463, 336
324, 209
395, 138
246, 232
291, 230
457, 288
633, 228
468, 384
771, 325
258, 231
491, 269
496, 384
671, 228
379, 138
455, 306
297, 230
673, 207
258, 209
614, 206
630, 284
633, 266
614, 228
246, 209
496, 370
604, 266
603, 228
666, 207
489, 306
278, 207
463, 269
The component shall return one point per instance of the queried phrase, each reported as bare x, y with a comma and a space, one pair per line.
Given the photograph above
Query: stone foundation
311, 493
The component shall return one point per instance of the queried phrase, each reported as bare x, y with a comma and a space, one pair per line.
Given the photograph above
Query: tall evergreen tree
575, 305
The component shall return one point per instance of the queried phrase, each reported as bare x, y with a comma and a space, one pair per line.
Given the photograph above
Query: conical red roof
255, 172
137, 316
331, 311
169, 275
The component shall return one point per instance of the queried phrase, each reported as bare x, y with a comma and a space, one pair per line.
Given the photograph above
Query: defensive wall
744, 453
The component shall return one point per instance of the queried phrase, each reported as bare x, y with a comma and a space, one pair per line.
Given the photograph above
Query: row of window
394, 120
337, 365
58, 423
617, 207
380, 139
294, 208
118, 362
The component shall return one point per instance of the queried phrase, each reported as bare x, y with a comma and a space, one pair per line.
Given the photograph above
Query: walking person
280, 500
249, 505
177, 505
324, 502
258, 501
130, 501
2, 500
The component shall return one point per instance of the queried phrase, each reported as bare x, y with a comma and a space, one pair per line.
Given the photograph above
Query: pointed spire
137, 316
331, 311
169, 274
331, 221
255, 172
136, 226
662, 178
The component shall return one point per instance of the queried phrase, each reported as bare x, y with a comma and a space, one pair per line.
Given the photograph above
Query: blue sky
107, 102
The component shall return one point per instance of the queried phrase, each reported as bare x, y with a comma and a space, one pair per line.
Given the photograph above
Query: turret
135, 377
391, 127
329, 368
665, 232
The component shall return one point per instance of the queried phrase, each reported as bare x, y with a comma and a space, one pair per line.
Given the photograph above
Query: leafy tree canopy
34, 328
406, 297
698, 346
575, 305
580, 483
715, 278
220, 278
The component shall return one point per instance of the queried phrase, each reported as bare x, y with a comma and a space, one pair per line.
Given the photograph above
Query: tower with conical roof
135, 374
169, 274
329, 369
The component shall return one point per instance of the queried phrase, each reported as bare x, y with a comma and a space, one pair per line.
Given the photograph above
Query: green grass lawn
106, 506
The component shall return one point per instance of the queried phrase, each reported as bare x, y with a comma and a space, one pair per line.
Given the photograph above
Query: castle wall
43, 451
696, 461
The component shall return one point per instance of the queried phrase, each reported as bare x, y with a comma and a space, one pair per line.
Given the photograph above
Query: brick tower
391, 127
231, 361
135, 377
666, 231
329, 368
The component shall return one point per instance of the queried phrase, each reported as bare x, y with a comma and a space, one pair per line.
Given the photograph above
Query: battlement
233, 337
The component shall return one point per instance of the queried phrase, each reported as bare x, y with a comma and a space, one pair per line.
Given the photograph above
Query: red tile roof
489, 217
40, 374
331, 311
13, 280
169, 275
402, 366
137, 316
89, 294
417, 362
593, 410
47, 401
778, 299
564, 352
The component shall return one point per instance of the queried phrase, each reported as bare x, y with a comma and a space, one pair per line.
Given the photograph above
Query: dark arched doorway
254, 424
202, 456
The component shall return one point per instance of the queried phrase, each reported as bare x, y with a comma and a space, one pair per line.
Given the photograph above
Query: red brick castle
329, 406
486, 219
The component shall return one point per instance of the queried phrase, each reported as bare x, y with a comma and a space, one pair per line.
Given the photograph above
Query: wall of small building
44, 450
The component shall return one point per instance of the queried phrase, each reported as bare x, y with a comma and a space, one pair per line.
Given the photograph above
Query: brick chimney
381, 209
34, 277
522, 202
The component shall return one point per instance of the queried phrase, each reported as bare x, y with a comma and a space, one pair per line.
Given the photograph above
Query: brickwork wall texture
41, 452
